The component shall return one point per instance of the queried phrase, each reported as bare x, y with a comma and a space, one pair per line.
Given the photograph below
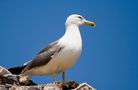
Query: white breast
67, 58
72, 44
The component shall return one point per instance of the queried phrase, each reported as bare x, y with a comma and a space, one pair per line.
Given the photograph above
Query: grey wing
50, 46
44, 56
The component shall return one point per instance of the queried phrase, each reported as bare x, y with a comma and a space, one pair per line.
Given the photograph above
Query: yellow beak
90, 23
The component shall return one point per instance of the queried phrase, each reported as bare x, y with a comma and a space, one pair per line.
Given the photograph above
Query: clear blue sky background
109, 59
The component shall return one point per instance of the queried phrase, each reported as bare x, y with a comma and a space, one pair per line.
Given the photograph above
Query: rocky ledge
8, 81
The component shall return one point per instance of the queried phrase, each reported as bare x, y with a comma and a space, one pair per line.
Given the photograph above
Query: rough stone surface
9, 81
50, 86
4, 71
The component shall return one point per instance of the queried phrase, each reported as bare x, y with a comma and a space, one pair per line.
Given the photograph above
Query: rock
68, 85
4, 87
6, 77
6, 80
4, 71
14, 80
9, 81
50, 86
85, 86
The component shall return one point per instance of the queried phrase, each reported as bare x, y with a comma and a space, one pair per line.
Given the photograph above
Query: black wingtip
17, 70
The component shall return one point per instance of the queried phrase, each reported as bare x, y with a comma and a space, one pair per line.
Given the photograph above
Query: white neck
72, 35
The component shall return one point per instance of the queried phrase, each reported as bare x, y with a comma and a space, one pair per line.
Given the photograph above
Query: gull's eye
80, 17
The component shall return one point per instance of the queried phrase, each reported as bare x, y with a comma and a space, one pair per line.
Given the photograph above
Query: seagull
59, 55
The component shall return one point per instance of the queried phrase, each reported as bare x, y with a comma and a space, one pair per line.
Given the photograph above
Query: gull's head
78, 20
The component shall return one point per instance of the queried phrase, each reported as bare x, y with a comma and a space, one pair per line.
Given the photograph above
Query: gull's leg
63, 77
55, 76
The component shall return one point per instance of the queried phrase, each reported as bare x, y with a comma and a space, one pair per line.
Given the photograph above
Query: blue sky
109, 57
